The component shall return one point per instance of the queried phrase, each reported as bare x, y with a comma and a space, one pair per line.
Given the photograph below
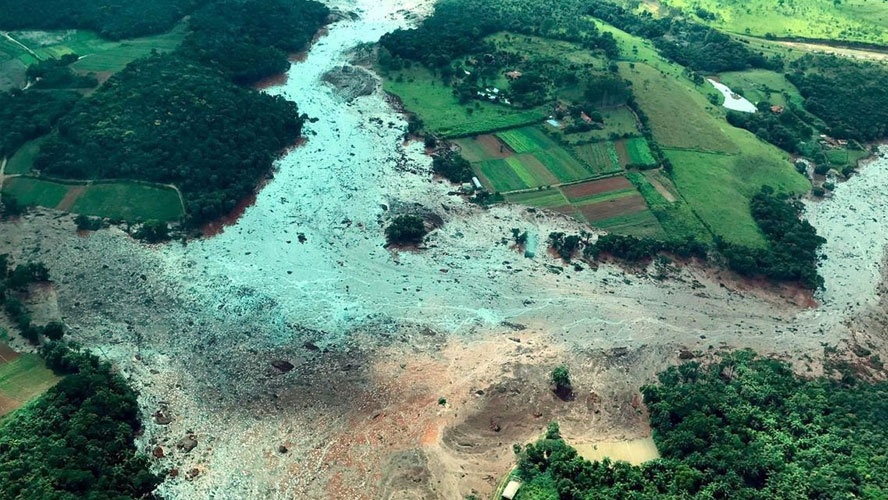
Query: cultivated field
118, 200
22, 377
23, 160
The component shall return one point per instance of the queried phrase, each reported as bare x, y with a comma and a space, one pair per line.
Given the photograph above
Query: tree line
687, 43
740, 428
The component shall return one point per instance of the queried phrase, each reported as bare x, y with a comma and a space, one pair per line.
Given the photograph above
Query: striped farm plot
635, 152
639, 224
600, 157
542, 198
514, 173
526, 140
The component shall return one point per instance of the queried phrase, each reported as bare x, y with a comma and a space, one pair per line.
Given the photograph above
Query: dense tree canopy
848, 95
114, 19
458, 27
742, 428
76, 440
169, 120
28, 115
250, 39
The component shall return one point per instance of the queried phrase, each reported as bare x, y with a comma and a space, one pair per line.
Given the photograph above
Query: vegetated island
185, 119
604, 113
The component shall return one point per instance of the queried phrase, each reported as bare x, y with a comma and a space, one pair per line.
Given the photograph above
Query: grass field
676, 218
119, 200
718, 187
23, 160
639, 224
762, 85
680, 116
22, 377
855, 20
97, 55
433, 102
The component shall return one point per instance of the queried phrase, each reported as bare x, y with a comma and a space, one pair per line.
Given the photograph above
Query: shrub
406, 229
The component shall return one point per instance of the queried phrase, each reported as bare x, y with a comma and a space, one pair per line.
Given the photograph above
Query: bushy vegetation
453, 167
848, 95
169, 120
28, 115
250, 40
458, 27
741, 428
406, 230
785, 130
76, 440
692, 45
57, 74
113, 19
791, 253
14, 282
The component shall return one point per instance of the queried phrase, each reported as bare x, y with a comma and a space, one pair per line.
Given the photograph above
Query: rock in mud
158, 452
187, 443
282, 365
351, 82
161, 418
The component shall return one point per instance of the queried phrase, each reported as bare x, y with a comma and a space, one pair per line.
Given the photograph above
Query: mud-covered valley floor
308, 361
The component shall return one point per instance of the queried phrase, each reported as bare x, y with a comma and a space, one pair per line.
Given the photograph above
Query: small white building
511, 490
477, 183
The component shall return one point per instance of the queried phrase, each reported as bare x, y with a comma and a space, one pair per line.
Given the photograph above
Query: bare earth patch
579, 191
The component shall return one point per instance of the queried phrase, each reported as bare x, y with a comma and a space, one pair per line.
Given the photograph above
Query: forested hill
184, 118
113, 19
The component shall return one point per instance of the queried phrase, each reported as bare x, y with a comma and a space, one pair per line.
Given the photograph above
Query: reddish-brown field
622, 153
7, 354
585, 189
612, 208
494, 147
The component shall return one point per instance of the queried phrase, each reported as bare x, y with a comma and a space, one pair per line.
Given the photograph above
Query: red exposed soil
69, 199
7, 354
585, 189
620, 146
494, 147
271, 81
218, 226
612, 208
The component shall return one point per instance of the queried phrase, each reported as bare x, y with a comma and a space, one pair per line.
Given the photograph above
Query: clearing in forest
22, 378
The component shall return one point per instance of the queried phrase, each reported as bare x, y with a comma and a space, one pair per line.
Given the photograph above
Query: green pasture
759, 85
538, 47
680, 116
498, 176
118, 200
22, 162
38, 192
433, 102
97, 54
718, 188
129, 201
852, 20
